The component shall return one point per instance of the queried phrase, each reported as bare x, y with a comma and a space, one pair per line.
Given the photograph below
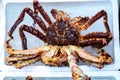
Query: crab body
65, 41
62, 33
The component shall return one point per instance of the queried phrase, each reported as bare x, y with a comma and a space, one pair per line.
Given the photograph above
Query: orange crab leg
13, 58
77, 73
23, 63
88, 57
107, 60
30, 55
31, 51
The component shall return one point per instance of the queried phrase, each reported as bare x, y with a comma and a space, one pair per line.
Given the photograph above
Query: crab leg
35, 17
95, 42
77, 73
102, 53
108, 36
38, 7
27, 52
102, 59
98, 65
31, 30
26, 62
99, 35
100, 14
33, 55
13, 58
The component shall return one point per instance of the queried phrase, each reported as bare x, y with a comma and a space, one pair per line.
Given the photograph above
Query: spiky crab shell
62, 33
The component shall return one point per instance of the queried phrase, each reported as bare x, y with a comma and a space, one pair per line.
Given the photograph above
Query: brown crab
64, 41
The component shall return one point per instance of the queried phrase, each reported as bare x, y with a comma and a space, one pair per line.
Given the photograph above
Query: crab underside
65, 42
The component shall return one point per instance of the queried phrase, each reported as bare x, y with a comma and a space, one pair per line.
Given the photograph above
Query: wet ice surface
47, 78
74, 9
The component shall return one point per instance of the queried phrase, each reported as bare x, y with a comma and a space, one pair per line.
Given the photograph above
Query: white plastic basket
9, 13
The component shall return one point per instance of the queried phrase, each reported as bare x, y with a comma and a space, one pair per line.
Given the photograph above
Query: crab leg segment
35, 17
31, 30
106, 57
100, 38
77, 73
13, 58
38, 7
31, 51
100, 14
95, 42
97, 35
23, 63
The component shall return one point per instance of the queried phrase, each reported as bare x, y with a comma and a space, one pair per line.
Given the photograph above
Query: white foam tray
9, 14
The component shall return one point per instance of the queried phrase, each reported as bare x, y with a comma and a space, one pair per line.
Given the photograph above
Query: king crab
64, 41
